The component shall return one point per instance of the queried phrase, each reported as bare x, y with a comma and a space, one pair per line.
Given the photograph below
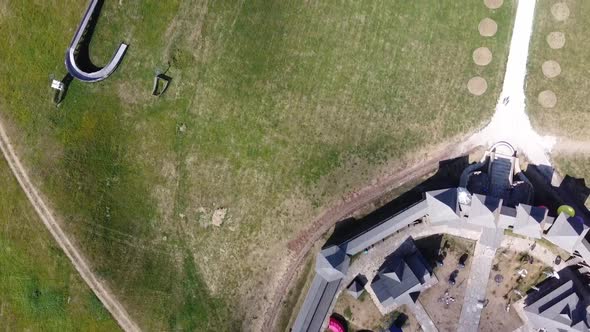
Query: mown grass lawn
276, 109
577, 165
39, 289
571, 116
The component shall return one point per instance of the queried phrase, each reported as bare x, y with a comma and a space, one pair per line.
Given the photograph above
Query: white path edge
510, 123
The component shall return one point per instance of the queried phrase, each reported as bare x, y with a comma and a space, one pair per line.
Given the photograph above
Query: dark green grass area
571, 116
270, 101
39, 289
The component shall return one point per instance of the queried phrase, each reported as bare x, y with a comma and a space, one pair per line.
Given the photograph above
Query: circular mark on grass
560, 11
551, 68
487, 27
556, 40
493, 4
482, 56
547, 99
477, 86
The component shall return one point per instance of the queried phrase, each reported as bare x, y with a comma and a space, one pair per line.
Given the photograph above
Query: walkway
510, 122
475, 294
422, 317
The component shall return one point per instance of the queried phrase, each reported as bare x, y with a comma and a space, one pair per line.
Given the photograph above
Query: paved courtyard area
475, 295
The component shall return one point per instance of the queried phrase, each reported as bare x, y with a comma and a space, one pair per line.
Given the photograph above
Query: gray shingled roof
442, 205
401, 276
331, 266
528, 220
316, 306
583, 249
386, 228
566, 232
507, 217
332, 263
561, 309
357, 286
484, 210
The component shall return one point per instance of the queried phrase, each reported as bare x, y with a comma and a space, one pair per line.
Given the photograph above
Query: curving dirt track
300, 246
46, 215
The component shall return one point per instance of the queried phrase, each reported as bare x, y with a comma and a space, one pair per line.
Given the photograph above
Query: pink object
335, 325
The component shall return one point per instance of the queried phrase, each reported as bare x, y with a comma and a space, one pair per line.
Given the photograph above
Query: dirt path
77, 259
301, 245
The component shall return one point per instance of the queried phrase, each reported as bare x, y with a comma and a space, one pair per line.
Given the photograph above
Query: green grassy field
574, 165
39, 289
571, 116
276, 109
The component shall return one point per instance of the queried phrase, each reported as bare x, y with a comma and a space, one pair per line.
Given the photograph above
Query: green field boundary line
78, 260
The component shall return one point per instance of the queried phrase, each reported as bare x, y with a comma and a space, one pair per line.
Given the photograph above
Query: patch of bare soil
556, 40
493, 4
551, 68
482, 56
446, 317
560, 11
487, 27
4, 10
547, 99
361, 313
477, 86
411, 324
218, 217
503, 287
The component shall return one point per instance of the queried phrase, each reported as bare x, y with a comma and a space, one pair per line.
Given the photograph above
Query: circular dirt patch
560, 11
482, 56
556, 40
551, 69
493, 4
547, 99
477, 86
487, 27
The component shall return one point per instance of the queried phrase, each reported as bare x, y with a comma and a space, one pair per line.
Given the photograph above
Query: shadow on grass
447, 175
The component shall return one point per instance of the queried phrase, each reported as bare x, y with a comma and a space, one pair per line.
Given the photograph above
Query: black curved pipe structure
78, 61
